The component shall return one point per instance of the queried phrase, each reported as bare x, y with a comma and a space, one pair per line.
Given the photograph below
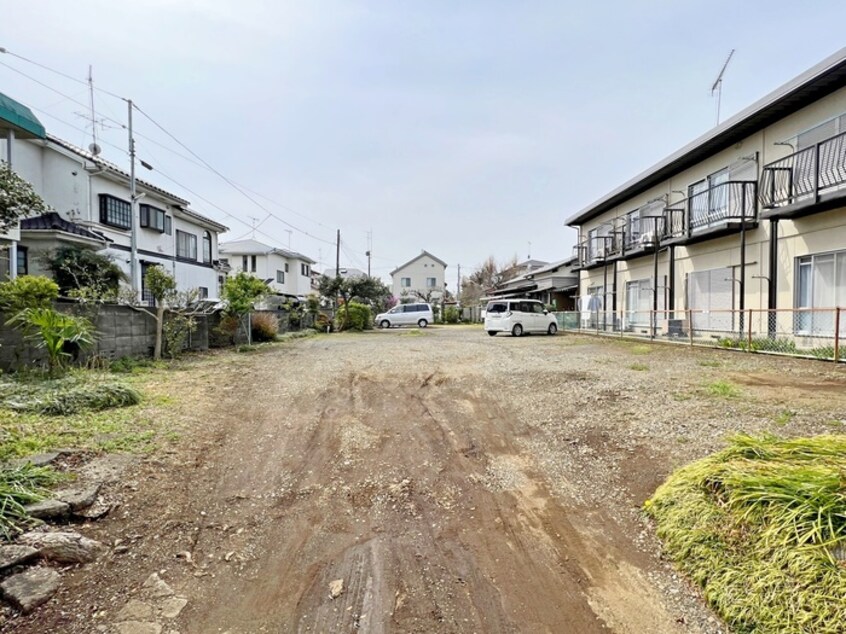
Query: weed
722, 389
72, 399
20, 486
133, 365
783, 417
640, 349
709, 363
639, 367
247, 348
761, 527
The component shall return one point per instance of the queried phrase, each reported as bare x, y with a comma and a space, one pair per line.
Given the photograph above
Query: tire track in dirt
415, 492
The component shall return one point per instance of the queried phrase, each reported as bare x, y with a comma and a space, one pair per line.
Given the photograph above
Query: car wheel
517, 331
385, 324
492, 333
552, 329
422, 323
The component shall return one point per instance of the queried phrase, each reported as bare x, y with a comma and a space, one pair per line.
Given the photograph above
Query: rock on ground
15, 555
79, 499
137, 627
64, 547
31, 588
156, 587
47, 509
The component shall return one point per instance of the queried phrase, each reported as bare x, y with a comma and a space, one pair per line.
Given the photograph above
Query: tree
27, 291
368, 290
161, 286
240, 292
17, 199
488, 276
83, 272
60, 335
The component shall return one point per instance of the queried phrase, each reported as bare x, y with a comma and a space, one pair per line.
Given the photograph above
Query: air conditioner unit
600, 252
647, 238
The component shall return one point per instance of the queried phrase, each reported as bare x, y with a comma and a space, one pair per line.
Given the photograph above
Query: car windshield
497, 307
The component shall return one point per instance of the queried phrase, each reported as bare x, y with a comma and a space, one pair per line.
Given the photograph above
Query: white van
518, 316
406, 315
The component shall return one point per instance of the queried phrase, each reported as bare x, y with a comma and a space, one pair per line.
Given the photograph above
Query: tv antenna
717, 86
253, 223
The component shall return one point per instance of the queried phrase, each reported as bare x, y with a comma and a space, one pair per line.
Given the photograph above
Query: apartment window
431, 282
710, 295
820, 284
280, 277
639, 302
304, 270
248, 263
405, 282
186, 245
168, 225
152, 218
115, 212
203, 292
207, 250
23, 261
286, 267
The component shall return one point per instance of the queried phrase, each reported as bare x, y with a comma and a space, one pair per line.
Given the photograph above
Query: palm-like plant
55, 333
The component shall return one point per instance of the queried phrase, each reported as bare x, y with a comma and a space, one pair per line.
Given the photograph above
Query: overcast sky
463, 128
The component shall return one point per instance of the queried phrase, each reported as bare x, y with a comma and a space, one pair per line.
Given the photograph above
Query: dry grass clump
761, 527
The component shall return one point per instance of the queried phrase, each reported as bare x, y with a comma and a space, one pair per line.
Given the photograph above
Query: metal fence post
837, 334
690, 326
749, 340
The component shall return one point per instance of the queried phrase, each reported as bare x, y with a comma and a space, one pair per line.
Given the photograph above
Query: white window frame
811, 322
405, 282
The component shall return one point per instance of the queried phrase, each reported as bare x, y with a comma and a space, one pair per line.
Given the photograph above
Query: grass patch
62, 400
640, 349
639, 367
412, 333
722, 389
134, 365
783, 417
709, 364
20, 486
761, 527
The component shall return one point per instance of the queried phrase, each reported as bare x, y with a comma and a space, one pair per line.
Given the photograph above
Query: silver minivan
406, 315
518, 316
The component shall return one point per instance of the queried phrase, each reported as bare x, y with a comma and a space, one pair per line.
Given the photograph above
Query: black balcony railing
643, 232
726, 202
674, 221
805, 175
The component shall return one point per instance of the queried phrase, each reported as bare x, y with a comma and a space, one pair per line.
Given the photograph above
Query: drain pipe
742, 299
772, 295
671, 285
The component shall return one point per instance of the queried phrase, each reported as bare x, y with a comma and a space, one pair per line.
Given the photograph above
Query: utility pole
458, 287
369, 249
133, 221
338, 255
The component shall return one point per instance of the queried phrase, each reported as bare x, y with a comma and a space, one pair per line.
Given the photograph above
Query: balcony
719, 210
595, 251
808, 181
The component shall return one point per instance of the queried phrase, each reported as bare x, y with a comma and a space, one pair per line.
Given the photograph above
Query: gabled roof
423, 253
52, 221
193, 215
347, 272
254, 247
815, 83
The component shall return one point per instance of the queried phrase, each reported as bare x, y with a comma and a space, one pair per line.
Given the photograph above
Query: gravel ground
453, 482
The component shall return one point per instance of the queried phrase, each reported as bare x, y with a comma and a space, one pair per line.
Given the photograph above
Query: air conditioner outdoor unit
647, 238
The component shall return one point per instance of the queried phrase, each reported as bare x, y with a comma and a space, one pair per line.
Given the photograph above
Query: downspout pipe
772, 294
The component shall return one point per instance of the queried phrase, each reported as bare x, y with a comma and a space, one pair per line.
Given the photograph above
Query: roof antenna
93, 147
253, 223
717, 86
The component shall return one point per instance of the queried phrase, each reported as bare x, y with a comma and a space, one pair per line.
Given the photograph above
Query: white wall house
92, 209
422, 277
286, 272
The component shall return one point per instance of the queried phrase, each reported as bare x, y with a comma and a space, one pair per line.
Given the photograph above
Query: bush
265, 326
27, 291
60, 335
175, 331
75, 269
322, 322
761, 527
130, 365
21, 486
354, 316
451, 315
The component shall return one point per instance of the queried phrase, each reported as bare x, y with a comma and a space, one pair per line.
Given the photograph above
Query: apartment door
710, 296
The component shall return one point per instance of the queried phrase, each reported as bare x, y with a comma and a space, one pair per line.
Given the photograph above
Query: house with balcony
751, 215
554, 284
286, 272
422, 277
90, 197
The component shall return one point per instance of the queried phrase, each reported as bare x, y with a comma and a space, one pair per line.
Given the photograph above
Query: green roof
19, 118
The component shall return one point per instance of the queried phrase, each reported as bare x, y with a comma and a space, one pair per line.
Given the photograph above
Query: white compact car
406, 315
518, 316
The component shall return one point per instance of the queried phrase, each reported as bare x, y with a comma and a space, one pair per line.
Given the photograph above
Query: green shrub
452, 315
354, 316
60, 335
322, 322
265, 326
761, 527
759, 344
21, 486
74, 398
27, 291
175, 331
128, 365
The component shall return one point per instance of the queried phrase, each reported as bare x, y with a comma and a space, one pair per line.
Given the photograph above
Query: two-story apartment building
286, 272
91, 199
751, 215
423, 276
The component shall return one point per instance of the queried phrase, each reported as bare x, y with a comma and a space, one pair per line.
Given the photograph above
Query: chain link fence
810, 333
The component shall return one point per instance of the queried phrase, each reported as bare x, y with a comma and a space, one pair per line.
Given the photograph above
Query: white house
92, 208
286, 272
422, 276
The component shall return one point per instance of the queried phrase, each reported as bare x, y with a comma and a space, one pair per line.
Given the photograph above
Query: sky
465, 128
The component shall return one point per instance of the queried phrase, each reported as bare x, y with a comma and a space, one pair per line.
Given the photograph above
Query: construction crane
717, 86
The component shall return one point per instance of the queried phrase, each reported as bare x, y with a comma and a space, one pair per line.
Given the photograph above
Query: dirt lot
454, 482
